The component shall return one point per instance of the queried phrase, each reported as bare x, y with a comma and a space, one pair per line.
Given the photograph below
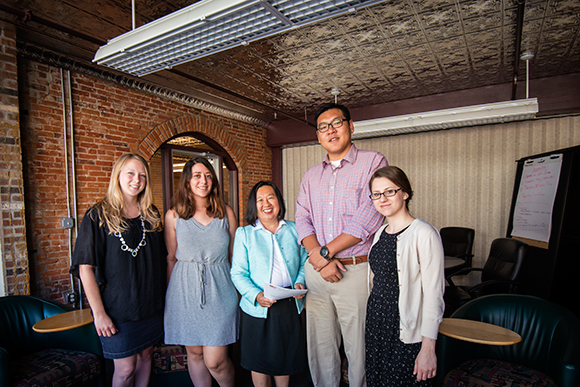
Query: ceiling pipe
66, 173
27, 16
518, 44
133, 14
73, 175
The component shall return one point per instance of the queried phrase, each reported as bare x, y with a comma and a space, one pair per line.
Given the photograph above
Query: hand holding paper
274, 292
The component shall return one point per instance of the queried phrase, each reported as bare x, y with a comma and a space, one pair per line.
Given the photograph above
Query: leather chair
71, 358
549, 353
499, 274
458, 243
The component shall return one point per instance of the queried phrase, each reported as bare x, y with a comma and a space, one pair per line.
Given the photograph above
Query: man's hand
332, 271
316, 260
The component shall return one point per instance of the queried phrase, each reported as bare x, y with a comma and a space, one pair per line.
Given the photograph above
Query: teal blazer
252, 263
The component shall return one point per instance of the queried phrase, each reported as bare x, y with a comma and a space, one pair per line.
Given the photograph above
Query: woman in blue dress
201, 303
406, 305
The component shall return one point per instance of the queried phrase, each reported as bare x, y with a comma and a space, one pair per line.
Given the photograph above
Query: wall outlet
71, 298
67, 222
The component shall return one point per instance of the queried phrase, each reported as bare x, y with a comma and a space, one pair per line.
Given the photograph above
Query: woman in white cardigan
406, 305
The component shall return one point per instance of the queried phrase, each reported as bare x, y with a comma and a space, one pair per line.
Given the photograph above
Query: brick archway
220, 134
213, 129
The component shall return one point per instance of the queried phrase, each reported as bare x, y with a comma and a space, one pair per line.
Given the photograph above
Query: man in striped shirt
336, 221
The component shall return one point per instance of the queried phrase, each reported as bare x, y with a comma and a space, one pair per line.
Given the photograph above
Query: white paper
274, 292
535, 201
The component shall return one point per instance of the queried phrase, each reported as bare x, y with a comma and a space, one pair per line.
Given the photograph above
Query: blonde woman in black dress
120, 258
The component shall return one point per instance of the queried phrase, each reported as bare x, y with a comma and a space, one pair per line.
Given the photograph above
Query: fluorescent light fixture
210, 26
491, 113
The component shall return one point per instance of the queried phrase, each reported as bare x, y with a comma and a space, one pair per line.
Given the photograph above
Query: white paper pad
274, 292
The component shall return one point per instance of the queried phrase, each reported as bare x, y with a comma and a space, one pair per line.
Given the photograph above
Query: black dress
389, 361
132, 287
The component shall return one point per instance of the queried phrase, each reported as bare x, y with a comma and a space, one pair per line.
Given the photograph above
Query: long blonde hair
184, 200
110, 209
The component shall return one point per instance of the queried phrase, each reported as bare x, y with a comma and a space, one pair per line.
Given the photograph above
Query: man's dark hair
329, 106
251, 207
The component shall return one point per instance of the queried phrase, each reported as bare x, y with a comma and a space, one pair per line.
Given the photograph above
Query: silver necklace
124, 246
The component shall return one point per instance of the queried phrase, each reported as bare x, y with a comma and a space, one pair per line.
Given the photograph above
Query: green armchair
548, 354
71, 358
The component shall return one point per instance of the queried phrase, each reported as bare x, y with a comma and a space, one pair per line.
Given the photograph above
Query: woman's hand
426, 361
104, 325
263, 301
298, 285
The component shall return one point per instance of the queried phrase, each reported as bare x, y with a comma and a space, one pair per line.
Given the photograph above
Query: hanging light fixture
485, 114
210, 26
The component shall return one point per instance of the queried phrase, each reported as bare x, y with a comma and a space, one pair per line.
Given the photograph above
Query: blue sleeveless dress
201, 304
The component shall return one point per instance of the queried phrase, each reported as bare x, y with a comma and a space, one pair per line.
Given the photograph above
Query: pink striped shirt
333, 201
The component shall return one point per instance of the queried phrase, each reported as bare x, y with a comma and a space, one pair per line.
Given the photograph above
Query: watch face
324, 252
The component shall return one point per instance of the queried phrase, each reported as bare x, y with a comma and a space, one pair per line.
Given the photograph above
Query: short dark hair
398, 177
251, 207
329, 106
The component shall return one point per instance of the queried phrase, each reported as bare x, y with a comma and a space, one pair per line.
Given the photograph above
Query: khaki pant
332, 310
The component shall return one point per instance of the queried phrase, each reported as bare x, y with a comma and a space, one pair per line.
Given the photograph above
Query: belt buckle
353, 260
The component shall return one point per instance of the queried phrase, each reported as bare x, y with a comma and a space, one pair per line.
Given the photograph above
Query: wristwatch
324, 253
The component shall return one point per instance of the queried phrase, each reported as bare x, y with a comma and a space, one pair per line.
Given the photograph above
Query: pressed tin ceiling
388, 52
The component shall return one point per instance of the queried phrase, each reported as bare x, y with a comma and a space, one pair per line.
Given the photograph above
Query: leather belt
353, 260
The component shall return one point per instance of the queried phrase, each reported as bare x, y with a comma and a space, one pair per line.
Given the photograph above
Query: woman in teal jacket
268, 251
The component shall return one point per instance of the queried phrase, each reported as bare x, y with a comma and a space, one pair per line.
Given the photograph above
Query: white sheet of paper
274, 292
535, 202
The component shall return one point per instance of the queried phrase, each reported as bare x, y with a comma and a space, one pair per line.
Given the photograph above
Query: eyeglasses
388, 193
323, 128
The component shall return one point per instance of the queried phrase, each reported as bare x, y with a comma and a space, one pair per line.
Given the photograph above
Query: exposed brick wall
109, 120
15, 266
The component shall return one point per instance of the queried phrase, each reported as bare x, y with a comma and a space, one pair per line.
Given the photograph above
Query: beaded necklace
124, 246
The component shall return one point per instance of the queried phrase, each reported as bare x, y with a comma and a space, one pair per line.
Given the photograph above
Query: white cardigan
420, 265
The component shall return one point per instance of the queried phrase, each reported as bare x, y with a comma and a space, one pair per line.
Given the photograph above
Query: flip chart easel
532, 220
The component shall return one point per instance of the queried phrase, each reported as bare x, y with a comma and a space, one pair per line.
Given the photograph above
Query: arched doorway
168, 161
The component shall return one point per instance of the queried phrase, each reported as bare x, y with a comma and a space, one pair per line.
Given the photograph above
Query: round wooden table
478, 332
64, 321
452, 262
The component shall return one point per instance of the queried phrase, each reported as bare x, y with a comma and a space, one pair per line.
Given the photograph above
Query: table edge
481, 341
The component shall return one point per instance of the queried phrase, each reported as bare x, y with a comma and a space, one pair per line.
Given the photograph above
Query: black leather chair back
506, 257
458, 242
